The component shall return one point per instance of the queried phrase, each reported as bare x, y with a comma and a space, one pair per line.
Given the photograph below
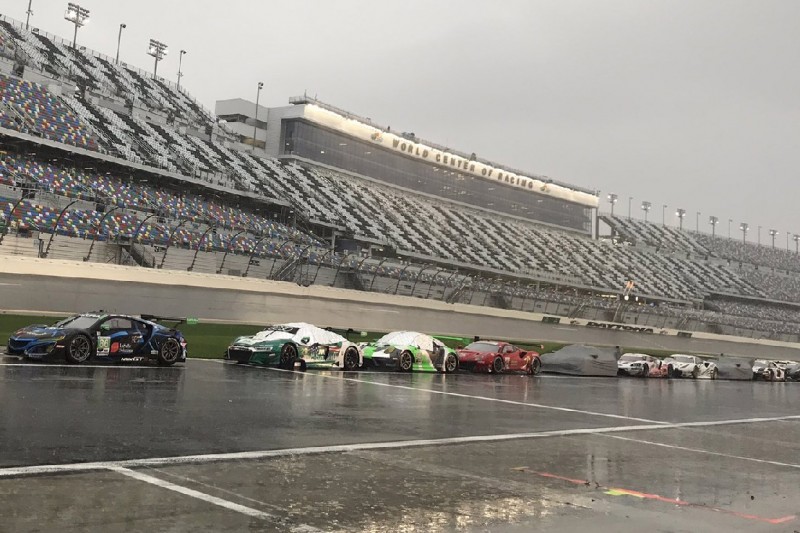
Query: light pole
681, 213
119, 40
773, 233
730, 221
697, 223
796, 244
78, 16
255, 120
29, 13
180, 64
787, 241
630, 199
664, 215
759, 236
158, 51
646, 208
744, 227
713, 221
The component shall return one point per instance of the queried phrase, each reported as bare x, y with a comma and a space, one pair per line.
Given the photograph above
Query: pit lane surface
109, 448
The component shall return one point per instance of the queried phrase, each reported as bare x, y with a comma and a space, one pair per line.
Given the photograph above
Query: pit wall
32, 285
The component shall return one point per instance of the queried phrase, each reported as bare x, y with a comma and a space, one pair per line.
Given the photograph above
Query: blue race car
101, 336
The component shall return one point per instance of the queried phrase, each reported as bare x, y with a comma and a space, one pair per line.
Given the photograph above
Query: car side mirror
305, 340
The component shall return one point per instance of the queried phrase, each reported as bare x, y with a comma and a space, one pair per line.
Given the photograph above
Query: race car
285, 345
691, 366
497, 357
408, 351
764, 370
642, 365
101, 336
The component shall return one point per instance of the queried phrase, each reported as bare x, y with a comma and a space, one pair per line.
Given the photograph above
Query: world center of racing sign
435, 156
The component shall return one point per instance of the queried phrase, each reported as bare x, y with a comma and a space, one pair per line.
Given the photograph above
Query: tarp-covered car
284, 345
580, 360
408, 351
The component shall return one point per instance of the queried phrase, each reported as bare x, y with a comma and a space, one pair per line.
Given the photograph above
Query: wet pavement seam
702, 451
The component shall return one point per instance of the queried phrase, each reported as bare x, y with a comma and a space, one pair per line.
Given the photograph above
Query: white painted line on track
140, 476
343, 448
706, 452
473, 397
78, 367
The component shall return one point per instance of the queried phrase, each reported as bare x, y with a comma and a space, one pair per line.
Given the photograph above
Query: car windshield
632, 357
276, 332
78, 322
482, 347
683, 358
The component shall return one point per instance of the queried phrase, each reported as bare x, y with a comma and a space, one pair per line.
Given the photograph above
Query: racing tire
303, 365
646, 371
406, 362
670, 371
536, 367
450, 363
676, 373
695, 373
78, 350
350, 360
715, 374
770, 375
169, 352
497, 365
288, 357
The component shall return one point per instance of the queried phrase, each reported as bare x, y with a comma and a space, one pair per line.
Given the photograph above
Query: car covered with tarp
408, 351
297, 343
581, 360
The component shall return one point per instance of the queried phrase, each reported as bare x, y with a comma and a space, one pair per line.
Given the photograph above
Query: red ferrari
498, 356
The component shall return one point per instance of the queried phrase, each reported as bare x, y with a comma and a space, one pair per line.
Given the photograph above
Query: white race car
691, 366
765, 370
641, 365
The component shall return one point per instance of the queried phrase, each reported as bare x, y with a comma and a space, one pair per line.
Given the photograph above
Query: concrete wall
36, 285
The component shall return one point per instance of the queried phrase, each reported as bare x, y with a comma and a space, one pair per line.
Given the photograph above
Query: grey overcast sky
692, 104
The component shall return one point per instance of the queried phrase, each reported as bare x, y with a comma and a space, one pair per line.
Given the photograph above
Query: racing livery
284, 345
497, 357
408, 351
764, 370
107, 337
642, 365
691, 366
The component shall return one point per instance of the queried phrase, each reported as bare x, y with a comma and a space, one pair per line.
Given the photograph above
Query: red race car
498, 356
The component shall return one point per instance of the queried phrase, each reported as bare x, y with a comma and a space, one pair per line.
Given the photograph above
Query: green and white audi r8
408, 351
299, 343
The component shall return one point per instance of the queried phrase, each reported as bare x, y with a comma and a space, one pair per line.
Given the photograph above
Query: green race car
286, 344
408, 351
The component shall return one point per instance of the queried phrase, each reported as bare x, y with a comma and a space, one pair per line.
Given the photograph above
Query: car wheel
303, 365
695, 373
676, 373
350, 361
450, 363
79, 349
536, 367
406, 361
497, 365
715, 374
646, 371
169, 353
288, 356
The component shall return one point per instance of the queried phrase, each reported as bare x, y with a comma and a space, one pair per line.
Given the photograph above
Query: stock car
284, 345
408, 351
691, 366
765, 370
642, 365
498, 356
101, 336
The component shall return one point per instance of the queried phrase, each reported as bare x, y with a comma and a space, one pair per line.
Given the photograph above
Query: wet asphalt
708, 477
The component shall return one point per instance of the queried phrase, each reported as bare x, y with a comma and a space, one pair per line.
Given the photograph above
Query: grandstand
132, 170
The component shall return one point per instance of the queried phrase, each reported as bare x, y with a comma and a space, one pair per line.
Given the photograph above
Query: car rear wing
190, 321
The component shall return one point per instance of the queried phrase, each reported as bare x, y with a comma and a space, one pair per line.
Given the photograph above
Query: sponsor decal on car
103, 345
